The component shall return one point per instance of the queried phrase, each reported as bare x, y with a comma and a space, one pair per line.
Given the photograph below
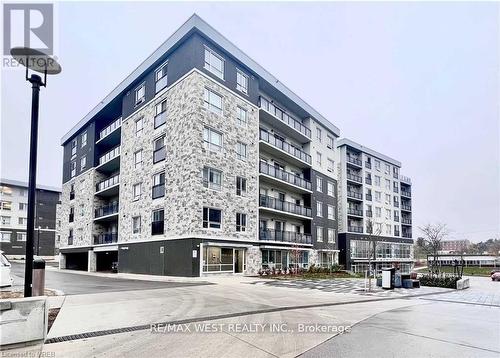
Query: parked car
495, 276
5, 277
493, 271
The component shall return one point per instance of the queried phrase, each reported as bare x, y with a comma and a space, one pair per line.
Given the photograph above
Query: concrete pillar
62, 261
92, 267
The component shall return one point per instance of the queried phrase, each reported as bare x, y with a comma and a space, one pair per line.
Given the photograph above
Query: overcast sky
416, 81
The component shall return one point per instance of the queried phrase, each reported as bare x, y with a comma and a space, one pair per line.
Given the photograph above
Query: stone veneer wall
185, 195
253, 260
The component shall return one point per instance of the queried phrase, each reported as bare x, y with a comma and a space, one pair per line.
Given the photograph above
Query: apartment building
199, 162
13, 219
374, 210
458, 246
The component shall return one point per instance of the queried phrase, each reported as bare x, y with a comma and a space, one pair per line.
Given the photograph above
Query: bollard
38, 277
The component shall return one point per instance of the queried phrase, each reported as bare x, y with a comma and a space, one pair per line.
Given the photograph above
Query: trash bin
388, 278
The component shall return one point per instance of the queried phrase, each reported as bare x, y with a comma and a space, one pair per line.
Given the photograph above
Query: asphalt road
75, 283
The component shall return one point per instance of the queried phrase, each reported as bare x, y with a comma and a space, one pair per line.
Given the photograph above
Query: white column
92, 261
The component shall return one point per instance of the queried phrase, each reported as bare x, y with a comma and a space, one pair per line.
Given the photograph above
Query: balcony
368, 197
106, 238
285, 236
354, 195
405, 180
355, 212
369, 213
284, 122
353, 160
407, 234
406, 193
357, 229
159, 155
354, 178
108, 187
157, 227
110, 136
105, 212
405, 207
158, 191
285, 177
406, 221
298, 156
109, 162
284, 206
160, 119
368, 181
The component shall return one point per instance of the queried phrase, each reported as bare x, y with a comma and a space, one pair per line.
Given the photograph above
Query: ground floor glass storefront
223, 259
362, 267
327, 258
280, 259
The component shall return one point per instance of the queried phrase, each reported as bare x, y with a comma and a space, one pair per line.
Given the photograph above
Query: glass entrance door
239, 260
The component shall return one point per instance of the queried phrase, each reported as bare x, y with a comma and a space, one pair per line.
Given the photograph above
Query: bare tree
372, 247
430, 242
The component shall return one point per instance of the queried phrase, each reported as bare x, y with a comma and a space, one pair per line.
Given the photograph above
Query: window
5, 190
319, 209
241, 82
241, 116
212, 178
23, 206
158, 222
214, 63
159, 151
318, 134
241, 151
161, 77
377, 165
138, 159
21, 236
6, 205
378, 212
378, 196
5, 236
331, 189
73, 147
388, 199
137, 191
139, 126
388, 214
387, 169
241, 222
319, 233
73, 168
388, 229
5, 220
331, 212
388, 184
377, 180
140, 94
212, 218
160, 114
136, 224
22, 221
319, 184
212, 139
331, 236
241, 186
331, 165
84, 139
213, 101
318, 158
330, 142
83, 162
158, 185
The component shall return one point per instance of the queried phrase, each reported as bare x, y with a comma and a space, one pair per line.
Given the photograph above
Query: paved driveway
72, 283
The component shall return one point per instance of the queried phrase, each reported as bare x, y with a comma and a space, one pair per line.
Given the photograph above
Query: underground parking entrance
75, 260
106, 261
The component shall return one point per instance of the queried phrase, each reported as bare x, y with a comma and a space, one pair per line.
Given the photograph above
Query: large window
161, 77
319, 233
160, 114
21, 236
137, 191
73, 168
212, 139
319, 184
84, 139
212, 218
5, 220
83, 162
319, 209
274, 259
360, 249
5, 236
158, 222
136, 224
241, 82
219, 259
138, 159
140, 94
241, 222
241, 151
212, 178
331, 236
159, 151
330, 142
331, 165
73, 147
241, 186
214, 63
139, 126
158, 185
331, 212
331, 189
241, 116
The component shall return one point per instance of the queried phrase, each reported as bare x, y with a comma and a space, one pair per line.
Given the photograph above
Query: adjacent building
454, 246
200, 162
13, 219
374, 210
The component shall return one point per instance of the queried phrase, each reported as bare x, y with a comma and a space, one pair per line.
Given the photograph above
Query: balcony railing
351, 211
113, 126
355, 178
288, 177
286, 206
406, 193
285, 236
285, 146
281, 115
407, 234
358, 229
160, 119
158, 191
369, 213
368, 197
405, 180
406, 207
353, 160
106, 238
106, 210
157, 227
159, 155
107, 183
113, 153
368, 181
396, 232
368, 165
406, 221
355, 195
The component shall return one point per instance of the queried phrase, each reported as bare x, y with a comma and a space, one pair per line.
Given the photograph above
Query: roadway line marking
462, 302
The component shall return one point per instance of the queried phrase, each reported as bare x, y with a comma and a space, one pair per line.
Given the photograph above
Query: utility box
388, 278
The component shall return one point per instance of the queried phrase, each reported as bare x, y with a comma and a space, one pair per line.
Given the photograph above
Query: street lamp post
39, 62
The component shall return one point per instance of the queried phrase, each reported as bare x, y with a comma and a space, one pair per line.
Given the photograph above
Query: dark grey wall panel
323, 221
87, 150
